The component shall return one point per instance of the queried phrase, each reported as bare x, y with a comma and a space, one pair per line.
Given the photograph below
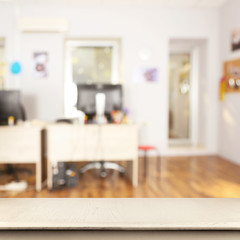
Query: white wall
43, 98
138, 27
229, 115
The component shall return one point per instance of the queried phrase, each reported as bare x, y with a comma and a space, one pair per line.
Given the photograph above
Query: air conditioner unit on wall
43, 24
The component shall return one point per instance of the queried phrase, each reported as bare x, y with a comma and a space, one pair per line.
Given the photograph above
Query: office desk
110, 142
21, 144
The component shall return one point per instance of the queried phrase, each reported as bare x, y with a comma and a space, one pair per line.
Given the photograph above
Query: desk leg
38, 176
132, 171
49, 175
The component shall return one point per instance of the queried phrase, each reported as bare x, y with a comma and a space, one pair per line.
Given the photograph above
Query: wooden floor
175, 177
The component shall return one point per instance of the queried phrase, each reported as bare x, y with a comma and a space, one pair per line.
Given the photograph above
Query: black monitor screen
10, 105
87, 93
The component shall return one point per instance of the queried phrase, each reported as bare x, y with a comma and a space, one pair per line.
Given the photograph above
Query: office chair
103, 166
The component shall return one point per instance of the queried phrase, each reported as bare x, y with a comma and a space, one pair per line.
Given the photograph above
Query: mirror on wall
179, 96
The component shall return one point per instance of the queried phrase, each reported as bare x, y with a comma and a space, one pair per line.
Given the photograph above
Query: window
2, 64
92, 65
89, 62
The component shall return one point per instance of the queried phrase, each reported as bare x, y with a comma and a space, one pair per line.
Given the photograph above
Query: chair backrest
10, 105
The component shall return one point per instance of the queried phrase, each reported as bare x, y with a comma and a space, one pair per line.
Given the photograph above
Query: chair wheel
103, 174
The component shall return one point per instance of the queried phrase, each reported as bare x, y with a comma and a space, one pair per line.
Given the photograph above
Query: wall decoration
222, 86
145, 74
40, 69
232, 76
235, 40
15, 68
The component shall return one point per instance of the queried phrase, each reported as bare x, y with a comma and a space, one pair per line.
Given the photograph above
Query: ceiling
160, 3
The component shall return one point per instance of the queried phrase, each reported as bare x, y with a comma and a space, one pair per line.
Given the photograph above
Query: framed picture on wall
40, 68
145, 75
235, 41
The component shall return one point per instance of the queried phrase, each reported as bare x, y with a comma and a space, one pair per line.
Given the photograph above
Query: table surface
120, 214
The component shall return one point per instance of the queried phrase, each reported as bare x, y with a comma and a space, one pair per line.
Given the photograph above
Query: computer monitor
10, 105
87, 95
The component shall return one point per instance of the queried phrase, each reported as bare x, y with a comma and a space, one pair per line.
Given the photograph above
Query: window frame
72, 43
3, 43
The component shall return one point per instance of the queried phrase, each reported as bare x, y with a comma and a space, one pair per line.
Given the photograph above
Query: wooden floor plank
172, 177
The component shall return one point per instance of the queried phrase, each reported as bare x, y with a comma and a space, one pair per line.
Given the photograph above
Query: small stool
145, 149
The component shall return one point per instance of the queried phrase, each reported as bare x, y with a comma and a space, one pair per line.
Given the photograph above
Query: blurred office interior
110, 98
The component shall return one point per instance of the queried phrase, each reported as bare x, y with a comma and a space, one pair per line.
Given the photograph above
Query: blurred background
117, 98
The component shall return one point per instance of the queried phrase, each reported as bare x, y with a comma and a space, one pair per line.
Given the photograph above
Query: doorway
188, 95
